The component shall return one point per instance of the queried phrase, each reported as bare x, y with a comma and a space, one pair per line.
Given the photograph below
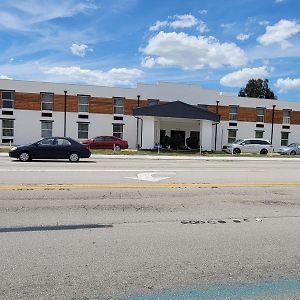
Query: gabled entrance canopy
176, 109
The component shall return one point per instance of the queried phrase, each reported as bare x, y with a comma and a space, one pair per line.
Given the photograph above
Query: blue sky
213, 43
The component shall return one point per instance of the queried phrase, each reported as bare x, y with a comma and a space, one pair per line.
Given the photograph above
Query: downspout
273, 114
216, 130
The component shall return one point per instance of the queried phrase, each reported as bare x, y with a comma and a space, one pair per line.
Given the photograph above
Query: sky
216, 44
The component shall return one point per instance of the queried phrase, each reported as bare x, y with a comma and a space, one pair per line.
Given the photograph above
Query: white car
249, 146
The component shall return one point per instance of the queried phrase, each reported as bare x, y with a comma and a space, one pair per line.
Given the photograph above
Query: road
189, 229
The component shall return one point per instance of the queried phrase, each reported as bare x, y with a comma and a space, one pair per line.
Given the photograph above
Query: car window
264, 143
99, 138
247, 142
109, 138
62, 142
292, 145
46, 142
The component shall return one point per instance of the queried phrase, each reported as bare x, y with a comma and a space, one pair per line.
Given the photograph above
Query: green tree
257, 88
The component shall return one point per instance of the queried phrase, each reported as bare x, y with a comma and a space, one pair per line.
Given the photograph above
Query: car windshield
292, 145
238, 141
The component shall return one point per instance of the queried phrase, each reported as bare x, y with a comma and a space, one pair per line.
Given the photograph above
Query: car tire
74, 157
117, 148
263, 151
24, 156
236, 151
293, 152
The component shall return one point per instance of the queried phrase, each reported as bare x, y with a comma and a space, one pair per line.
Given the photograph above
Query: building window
47, 101
260, 114
231, 135
46, 129
233, 111
7, 99
284, 138
83, 103
259, 134
83, 130
119, 106
7, 127
153, 102
286, 116
118, 130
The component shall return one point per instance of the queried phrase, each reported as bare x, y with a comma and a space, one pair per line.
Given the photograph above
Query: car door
62, 148
98, 143
44, 149
298, 149
110, 141
246, 146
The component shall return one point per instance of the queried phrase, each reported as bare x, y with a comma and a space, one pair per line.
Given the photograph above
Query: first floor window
7, 127
7, 99
46, 129
231, 135
284, 138
118, 130
259, 134
83, 130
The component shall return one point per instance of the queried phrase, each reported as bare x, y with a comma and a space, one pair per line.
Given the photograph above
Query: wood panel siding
130, 104
247, 114
278, 116
223, 111
59, 103
295, 117
101, 105
28, 101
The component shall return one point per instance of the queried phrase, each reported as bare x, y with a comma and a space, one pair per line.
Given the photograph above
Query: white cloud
280, 33
203, 12
183, 21
4, 77
148, 62
115, 76
287, 84
227, 25
202, 27
241, 77
243, 37
191, 52
264, 23
279, 1
79, 50
158, 25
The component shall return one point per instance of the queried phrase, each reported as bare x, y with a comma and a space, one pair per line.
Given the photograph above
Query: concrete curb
199, 158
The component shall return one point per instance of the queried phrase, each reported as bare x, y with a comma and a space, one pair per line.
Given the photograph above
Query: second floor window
286, 116
260, 114
83, 103
233, 111
119, 106
7, 99
47, 101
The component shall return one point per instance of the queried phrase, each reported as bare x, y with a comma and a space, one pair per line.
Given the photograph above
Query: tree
257, 88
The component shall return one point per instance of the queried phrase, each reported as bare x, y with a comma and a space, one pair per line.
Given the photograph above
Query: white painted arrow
148, 176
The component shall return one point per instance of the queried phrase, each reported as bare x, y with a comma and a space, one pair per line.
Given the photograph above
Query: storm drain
216, 221
54, 227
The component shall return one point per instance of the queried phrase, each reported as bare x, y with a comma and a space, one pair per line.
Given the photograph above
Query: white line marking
200, 170
148, 176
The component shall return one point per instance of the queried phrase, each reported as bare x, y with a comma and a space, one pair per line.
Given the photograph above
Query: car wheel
117, 147
24, 156
293, 152
74, 157
263, 151
236, 151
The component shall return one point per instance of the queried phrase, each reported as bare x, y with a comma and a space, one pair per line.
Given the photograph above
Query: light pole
216, 129
137, 124
273, 114
65, 113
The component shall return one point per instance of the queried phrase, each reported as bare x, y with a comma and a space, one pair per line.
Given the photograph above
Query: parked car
291, 149
105, 142
249, 146
51, 148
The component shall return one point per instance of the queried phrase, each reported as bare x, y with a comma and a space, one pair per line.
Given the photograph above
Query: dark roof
176, 109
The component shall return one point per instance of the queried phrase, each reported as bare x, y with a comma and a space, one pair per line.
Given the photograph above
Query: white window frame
260, 118
83, 133
83, 107
118, 130
257, 136
118, 108
11, 100
286, 119
46, 132
233, 115
284, 141
231, 139
5, 128
47, 102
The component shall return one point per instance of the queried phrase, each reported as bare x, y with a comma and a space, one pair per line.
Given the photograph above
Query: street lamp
216, 129
65, 113
273, 114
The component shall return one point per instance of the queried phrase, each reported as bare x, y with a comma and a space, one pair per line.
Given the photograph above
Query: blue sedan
291, 149
51, 148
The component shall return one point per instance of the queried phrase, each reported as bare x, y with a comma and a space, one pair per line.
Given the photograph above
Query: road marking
142, 186
149, 176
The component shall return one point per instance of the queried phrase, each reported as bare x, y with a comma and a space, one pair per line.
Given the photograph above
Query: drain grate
215, 221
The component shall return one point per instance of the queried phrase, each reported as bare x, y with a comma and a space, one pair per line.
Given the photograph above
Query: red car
106, 142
